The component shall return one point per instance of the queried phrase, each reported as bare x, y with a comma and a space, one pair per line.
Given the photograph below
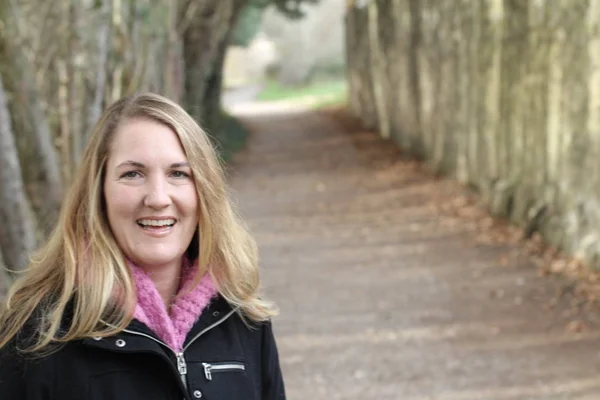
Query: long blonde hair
78, 284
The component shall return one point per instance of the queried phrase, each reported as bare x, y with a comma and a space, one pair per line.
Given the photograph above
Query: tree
247, 26
17, 231
37, 128
62, 62
206, 28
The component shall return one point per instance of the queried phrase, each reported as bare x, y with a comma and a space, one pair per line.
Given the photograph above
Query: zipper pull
207, 369
181, 365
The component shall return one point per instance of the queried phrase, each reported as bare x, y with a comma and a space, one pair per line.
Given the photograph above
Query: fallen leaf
575, 327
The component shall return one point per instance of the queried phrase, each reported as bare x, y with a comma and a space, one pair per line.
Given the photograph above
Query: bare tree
42, 139
63, 61
174, 66
205, 28
102, 35
17, 231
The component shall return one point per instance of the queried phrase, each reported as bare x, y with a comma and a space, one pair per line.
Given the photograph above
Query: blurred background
62, 62
421, 175
289, 58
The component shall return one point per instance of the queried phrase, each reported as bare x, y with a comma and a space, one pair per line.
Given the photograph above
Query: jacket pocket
222, 380
222, 367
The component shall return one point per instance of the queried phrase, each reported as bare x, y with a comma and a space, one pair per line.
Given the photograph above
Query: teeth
154, 222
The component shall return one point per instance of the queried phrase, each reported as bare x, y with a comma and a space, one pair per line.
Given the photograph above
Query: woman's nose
157, 196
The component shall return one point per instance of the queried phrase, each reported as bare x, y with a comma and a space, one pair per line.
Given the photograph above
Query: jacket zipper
181, 363
208, 368
182, 368
208, 328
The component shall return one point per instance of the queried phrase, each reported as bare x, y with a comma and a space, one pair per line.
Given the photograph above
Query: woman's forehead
146, 139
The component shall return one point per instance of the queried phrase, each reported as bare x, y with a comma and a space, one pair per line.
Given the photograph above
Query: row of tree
62, 62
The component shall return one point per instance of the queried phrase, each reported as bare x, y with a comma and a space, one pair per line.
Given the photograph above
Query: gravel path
384, 297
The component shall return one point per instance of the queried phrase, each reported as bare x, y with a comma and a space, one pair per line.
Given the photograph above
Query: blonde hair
78, 284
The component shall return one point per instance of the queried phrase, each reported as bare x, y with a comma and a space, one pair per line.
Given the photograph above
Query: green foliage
247, 26
233, 135
249, 21
290, 8
318, 93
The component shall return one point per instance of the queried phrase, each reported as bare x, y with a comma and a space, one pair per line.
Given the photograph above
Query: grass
317, 93
321, 93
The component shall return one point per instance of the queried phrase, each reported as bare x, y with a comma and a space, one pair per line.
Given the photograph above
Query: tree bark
45, 150
173, 79
76, 85
5, 281
95, 109
118, 66
17, 231
205, 34
47, 165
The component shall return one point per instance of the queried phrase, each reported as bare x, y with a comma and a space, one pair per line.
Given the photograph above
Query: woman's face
150, 194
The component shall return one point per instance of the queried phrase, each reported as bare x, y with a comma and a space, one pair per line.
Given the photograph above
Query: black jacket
223, 359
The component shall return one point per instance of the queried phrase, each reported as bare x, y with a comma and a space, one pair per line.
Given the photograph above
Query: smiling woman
151, 200
148, 288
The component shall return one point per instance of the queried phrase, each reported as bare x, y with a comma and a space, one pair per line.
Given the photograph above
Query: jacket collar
139, 337
172, 327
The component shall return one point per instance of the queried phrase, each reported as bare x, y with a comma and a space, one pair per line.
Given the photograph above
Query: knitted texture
151, 310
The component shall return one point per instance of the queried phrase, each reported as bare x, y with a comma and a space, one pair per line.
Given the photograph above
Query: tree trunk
173, 79
205, 31
17, 231
118, 66
5, 281
45, 151
95, 109
47, 161
76, 84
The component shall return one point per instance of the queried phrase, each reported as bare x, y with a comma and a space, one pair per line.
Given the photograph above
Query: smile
155, 223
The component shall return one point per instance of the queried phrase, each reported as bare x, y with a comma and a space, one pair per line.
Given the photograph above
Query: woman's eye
130, 174
179, 174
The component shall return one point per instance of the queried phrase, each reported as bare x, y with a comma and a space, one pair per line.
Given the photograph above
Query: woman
148, 287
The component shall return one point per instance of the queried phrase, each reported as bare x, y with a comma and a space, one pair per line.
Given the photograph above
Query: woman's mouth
156, 224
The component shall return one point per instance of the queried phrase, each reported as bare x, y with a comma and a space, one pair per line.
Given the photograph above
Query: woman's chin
156, 261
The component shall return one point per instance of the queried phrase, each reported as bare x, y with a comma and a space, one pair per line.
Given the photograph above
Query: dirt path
383, 297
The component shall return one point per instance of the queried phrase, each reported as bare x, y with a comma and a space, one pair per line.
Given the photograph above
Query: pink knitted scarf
151, 310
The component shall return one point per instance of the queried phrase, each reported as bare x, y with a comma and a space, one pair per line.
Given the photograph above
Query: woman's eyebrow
180, 164
137, 164
131, 163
